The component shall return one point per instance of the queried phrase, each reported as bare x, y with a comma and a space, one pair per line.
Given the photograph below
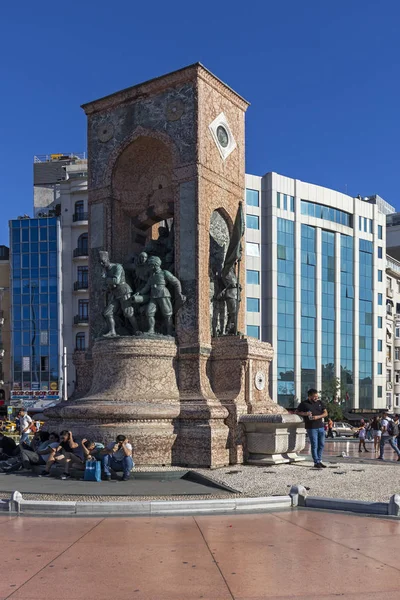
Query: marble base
134, 392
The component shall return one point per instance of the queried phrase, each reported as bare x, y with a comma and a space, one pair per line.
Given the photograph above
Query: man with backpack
390, 430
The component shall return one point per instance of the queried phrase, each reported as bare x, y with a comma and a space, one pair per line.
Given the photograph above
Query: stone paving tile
341, 526
47, 530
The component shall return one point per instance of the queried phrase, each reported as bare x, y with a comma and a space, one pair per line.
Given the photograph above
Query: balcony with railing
81, 319
81, 252
81, 286
80, 217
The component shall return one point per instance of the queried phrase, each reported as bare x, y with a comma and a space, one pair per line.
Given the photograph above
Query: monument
167, 364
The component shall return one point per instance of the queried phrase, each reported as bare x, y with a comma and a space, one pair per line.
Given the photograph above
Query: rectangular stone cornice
158, 84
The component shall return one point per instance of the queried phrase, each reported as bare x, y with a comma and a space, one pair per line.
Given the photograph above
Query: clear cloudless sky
322, 77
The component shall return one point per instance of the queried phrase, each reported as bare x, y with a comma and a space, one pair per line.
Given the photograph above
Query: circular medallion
174, 110
259, 380
222, 136
105, 132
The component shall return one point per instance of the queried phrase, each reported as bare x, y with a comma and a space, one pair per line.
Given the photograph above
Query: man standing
314, 412
118, 458
390, 431
25, 423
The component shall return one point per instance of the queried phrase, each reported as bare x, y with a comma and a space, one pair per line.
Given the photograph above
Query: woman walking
377, 433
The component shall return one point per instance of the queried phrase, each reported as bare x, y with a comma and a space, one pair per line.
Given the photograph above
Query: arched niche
143, 193
220, 229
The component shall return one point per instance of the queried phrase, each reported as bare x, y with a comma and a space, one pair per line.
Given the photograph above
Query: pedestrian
25, 423
40, 453
376, 432
330, 428
361, 436
8, 447
314, 412
118, 457
368, 430
390, 431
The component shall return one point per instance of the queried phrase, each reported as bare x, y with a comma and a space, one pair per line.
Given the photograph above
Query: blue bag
92, 470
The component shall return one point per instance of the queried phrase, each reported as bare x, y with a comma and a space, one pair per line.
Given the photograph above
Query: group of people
382, 429
50, 448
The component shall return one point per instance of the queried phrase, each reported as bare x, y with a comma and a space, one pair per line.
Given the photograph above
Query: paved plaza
299, 554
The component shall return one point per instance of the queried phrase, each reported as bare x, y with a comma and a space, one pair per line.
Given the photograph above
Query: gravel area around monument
353, 481
350, 481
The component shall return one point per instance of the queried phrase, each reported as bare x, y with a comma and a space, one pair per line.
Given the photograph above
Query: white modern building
316, 289
60, 188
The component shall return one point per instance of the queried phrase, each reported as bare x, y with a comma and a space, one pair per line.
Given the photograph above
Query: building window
253, 331
253, 305
380, 252
397, 377
380, 299
26, 364
79, 210
379, 368
83, 309
286, 301
320, 211
389, 400
389, 353
388, 375
252, 249
379, 322
83, 276
44, 363
379, 391
252, 198
380, 346
44, 338
80, 341
370, 226
83, 245
397, 354
366, 368
253, 277
380, 275
252, 222
396, 399
285, 201
380, 232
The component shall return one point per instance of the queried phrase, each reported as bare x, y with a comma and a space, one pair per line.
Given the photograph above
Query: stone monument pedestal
134, 392
273, 439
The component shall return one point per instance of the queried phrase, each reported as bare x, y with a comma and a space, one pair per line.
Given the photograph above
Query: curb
297, 498
18, 505
298, 494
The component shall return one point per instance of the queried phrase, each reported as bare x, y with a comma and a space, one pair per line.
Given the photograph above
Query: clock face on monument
222, 136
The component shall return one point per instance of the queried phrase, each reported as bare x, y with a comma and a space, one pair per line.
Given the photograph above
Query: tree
334, 411
330, 394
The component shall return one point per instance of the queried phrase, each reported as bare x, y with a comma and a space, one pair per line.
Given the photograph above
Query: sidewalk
280, 555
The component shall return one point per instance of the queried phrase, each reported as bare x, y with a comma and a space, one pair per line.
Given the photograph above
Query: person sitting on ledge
118, 457
41, 449
67, 453
8, 447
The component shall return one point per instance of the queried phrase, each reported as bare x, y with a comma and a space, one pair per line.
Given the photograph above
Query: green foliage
334, 411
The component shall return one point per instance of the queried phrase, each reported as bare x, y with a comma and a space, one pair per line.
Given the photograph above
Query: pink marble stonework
152, 157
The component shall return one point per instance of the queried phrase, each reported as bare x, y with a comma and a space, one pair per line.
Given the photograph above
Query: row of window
320, 211
285, 202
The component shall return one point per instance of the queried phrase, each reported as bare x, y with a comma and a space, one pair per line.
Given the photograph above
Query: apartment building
5, 335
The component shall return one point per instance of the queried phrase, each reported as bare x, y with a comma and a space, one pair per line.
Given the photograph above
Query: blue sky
322, 77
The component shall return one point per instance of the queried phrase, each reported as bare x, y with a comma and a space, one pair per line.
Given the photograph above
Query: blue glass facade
320, 211
365, 325
308, 308
328, 306
286, 303
346, 313
34, 247
252, 197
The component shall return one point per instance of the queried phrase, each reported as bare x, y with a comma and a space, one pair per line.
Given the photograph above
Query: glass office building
36, 310
320, 257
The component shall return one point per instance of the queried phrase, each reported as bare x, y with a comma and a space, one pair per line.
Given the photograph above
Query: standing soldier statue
159, 296
119, 294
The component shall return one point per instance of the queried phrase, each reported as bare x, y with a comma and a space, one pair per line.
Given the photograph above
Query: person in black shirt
314, 412
8, 447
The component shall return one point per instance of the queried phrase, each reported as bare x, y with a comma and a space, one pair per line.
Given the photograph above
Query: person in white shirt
118, 458
390, 431
25, 423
